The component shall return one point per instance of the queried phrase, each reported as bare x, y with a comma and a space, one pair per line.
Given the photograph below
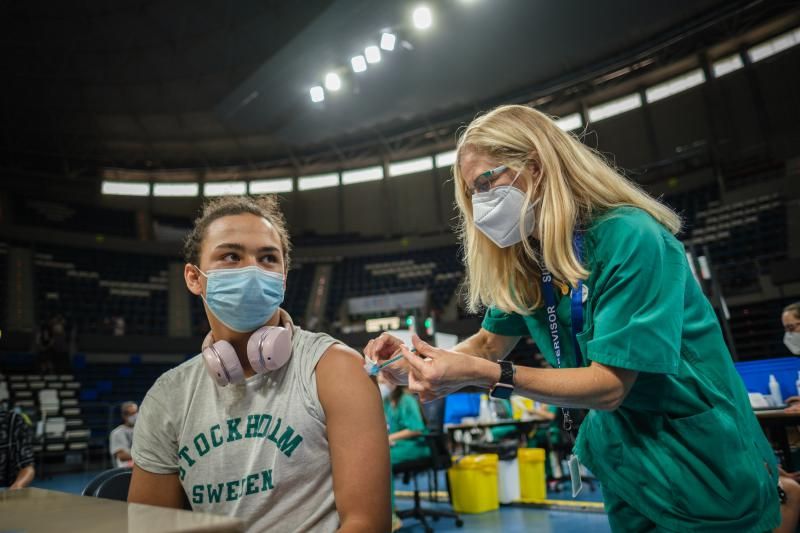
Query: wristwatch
503, 388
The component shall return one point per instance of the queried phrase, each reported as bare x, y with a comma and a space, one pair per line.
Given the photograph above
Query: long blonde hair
573, 183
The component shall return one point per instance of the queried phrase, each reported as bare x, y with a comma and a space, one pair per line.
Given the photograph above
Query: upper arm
638, 313
488, 344
357, 438
164, 490
618, 380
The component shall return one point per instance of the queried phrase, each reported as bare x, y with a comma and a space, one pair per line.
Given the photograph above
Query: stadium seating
689, 203
81, 218
757, 329
105, 388
439, 270
3, 280
92, 287
742, 239
50, 401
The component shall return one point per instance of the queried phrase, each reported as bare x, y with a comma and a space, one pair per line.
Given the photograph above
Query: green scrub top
406, 415
684, 448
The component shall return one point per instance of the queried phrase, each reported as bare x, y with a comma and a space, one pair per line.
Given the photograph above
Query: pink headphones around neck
268, 349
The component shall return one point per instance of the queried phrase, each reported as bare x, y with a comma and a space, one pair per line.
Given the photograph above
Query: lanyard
576, 311
576, 307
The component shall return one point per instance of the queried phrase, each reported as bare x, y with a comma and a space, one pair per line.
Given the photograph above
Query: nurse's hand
381, 349
435, 372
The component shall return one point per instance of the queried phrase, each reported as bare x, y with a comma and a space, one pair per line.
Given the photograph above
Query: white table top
37, 510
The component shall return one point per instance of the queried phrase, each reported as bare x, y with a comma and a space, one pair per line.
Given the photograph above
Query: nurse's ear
536, 176
536, 172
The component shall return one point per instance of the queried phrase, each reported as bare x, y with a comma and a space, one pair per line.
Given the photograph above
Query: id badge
575, 475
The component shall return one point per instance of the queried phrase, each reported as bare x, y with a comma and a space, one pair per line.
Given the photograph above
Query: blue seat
112, 484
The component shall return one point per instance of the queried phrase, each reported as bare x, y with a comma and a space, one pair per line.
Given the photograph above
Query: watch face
502, 391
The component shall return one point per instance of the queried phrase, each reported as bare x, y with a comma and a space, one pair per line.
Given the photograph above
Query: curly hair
265, 207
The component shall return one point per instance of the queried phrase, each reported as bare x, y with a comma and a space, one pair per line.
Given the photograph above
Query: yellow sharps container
473, 483
532, 481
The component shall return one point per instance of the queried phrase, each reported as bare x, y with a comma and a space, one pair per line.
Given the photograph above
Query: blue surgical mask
243, 299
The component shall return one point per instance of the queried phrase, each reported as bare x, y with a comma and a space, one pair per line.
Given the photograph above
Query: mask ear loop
204, 275
535, 188
513, 181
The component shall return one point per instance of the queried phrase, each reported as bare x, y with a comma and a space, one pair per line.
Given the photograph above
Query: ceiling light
411, 166
359, 64
224, 188
317, 94
307, 183
333, 82
126, 188
271, 186
423, 18
615, 107
570, 122
373, 54
387, 41
176, 189
728, 64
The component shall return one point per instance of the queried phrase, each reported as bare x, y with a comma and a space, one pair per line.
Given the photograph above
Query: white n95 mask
792, 341
496, 214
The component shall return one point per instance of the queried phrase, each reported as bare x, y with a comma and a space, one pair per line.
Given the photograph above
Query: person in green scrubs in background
404, 422
561, 247
406, 429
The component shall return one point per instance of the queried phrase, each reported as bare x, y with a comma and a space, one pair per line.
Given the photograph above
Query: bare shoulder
340, 358
341, 376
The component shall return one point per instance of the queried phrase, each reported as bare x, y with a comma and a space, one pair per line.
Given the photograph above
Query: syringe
373, 368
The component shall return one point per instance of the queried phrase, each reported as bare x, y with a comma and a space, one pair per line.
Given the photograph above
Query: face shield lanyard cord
576, 312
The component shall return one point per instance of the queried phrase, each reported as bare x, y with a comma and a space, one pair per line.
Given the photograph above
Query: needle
374, 369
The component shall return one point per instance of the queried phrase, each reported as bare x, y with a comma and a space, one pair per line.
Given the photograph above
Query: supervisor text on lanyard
576, 313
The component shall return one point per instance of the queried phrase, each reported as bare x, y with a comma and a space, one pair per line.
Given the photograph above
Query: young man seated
275, 425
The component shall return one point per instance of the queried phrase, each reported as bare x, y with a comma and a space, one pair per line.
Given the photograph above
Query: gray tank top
257, 451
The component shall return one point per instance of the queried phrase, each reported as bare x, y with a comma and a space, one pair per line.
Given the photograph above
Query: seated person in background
16, 452
406, 427
791, 327
274, 425
405, 423
790, 318
121, 438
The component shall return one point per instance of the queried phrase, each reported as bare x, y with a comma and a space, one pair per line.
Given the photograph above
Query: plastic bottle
797, 383
493, 410
484, 415
775, 390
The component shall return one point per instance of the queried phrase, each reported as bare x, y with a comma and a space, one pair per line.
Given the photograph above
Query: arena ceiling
140, 84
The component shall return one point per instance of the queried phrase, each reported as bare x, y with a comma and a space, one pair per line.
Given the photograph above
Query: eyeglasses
792, 328
484, 181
